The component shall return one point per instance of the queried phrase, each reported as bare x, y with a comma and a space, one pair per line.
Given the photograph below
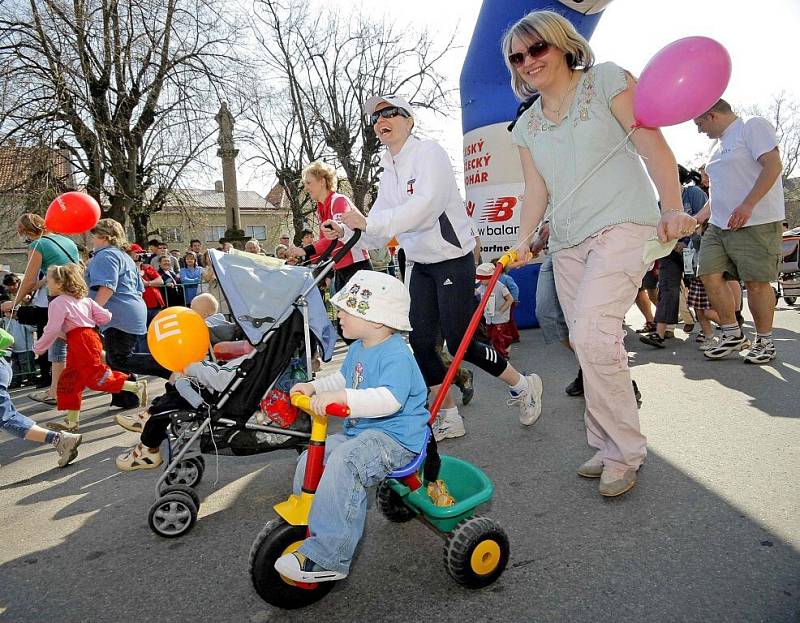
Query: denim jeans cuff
309, 550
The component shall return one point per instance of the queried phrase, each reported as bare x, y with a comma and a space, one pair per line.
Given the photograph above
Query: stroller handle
343, 251
303, 402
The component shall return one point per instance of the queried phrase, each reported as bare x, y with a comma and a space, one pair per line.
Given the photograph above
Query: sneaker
727, 345
593, 468
529, 400
614, 482
44, 397
467, 388
66, 425
448, 425
576, 387
648, 327
297, 567
761, 352
708, 344
653, 339
138, 457
637, 394
134, 423
67, 448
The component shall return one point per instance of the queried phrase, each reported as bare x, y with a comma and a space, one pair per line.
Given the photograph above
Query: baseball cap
393, 99
484, 271
136, 248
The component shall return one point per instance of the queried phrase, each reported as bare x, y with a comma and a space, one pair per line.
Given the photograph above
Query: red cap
136, 248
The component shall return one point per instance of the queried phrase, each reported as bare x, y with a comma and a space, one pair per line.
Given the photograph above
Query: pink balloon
682, 81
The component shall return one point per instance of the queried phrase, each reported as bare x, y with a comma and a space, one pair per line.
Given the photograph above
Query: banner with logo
492, 180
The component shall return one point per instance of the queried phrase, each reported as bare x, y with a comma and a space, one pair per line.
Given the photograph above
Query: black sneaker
761, 352
653, 339
576, 387
637, 393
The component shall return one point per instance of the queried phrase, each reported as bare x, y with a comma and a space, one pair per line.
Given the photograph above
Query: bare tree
127, 87
322, 67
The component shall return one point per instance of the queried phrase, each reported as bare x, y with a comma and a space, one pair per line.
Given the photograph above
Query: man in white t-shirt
743, 239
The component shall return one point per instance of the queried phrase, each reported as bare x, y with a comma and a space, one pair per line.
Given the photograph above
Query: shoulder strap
55, 242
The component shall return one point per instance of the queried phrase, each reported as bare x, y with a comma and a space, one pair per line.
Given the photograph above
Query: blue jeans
57, 353
11, 420
548, 308
339, 511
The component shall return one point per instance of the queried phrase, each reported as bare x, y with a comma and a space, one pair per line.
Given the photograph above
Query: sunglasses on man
387, 113
536, 50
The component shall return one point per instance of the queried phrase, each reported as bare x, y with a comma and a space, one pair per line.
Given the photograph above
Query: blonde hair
323, 171
551, 28
31, 225
111, 230
69, 279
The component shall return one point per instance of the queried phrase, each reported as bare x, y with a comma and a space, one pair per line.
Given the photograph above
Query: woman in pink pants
581, 165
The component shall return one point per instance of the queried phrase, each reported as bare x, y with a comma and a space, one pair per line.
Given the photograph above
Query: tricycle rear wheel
391, 504
476, 552
276, 539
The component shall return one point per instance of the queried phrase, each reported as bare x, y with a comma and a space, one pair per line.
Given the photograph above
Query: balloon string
588, 176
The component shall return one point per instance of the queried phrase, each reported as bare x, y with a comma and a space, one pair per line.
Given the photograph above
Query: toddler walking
497, 313
77, 317
383, 386
18, 425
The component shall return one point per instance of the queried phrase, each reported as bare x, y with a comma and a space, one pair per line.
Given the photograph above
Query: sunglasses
387, 113
536, 50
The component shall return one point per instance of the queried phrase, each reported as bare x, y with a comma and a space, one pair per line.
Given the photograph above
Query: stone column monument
233, 220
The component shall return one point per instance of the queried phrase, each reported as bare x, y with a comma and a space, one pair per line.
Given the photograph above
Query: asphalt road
710, 532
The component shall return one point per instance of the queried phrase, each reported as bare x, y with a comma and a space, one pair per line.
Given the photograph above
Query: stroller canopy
261, 295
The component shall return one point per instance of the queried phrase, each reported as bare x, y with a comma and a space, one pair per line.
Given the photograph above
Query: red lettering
500, 209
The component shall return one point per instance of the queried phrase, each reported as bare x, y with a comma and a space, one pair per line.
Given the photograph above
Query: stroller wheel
790, 300
172, 515
182, 490
187, 472
276, 539
476, 552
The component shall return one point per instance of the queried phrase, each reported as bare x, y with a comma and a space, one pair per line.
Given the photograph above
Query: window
259, 232
213, 234
170, 234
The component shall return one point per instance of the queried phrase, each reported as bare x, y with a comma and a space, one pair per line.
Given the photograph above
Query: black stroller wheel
183, 490
276, 539
172, 515
790, 300
187, 472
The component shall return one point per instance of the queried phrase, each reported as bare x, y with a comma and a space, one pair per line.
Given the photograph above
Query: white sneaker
529, 401
708, 344
448, 425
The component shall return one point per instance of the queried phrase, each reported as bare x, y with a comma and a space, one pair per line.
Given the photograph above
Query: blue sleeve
693, 200
104, 272
512, 286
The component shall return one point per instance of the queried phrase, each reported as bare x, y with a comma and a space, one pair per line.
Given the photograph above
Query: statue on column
228, 152
225, 121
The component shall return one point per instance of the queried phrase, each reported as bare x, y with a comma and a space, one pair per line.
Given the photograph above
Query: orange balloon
177, 337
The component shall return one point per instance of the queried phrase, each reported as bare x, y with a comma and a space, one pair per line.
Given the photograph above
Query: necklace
557, 111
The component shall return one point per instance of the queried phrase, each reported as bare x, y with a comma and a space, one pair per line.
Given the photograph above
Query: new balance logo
447, 282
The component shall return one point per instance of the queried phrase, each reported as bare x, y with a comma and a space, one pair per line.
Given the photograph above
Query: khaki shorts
747, 254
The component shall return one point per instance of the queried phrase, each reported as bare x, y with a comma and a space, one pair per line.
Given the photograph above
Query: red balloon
72, 213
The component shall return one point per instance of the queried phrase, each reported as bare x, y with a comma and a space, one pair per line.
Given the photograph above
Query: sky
761, 37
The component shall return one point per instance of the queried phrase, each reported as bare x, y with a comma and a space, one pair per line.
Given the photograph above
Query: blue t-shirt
693, 199
390, 364
113, 268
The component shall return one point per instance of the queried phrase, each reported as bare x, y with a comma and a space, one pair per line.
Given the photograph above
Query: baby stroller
789, 274
280, 311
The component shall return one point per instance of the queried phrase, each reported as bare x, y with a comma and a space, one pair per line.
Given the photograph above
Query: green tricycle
476, 548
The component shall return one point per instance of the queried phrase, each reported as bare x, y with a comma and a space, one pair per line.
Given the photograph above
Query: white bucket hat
376, 297
394, 100
484, 271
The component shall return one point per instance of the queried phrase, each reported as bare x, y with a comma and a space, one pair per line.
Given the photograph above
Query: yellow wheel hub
291, 548
485, 557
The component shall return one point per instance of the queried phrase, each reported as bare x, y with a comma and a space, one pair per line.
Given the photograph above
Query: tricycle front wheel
476, 552
276, 539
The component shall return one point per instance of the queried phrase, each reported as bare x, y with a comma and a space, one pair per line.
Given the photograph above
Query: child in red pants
497, 313
72, 314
